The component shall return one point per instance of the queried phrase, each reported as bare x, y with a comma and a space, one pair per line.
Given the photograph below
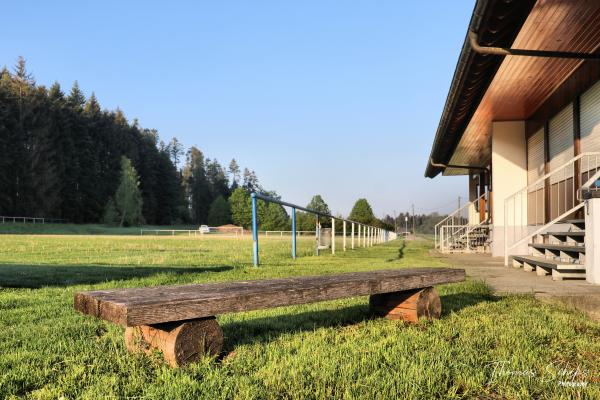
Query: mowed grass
482, 347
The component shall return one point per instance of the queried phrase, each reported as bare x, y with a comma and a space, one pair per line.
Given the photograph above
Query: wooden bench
180, 320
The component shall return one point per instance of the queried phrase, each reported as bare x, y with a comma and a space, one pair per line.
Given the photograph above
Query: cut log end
409, 306
180, 342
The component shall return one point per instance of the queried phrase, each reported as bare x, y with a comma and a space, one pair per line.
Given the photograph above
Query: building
522, 120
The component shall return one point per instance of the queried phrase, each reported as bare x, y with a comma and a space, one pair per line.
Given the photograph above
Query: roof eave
474, 73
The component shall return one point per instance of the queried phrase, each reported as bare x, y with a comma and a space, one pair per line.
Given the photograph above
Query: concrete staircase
475, 239
559, 252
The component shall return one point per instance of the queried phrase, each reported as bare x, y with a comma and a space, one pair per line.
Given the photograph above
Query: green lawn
78, 229
482, 347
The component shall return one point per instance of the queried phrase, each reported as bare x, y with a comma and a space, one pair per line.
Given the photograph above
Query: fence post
344, 233
254, 230
318, 233
332, 235
364, 236
352, 240
294, 233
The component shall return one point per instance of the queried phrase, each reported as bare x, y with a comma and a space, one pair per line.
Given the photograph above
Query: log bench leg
181, 342
409, 306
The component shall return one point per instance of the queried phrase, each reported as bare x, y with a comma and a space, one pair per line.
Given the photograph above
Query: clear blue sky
340, 98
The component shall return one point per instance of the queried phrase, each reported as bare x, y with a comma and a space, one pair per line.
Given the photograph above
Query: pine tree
196, 186
220, 212
217, 179
76, 98
92, 106
234, 171
128, 198
175, 150
250, 181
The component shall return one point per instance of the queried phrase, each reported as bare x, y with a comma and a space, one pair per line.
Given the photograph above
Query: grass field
482, 347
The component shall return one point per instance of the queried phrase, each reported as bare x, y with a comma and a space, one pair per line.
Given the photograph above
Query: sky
338, 98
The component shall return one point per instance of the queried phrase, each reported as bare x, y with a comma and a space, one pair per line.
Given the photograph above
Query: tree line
63, 156
419, 223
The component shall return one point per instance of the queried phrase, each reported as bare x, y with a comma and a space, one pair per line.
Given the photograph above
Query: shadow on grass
400, 252
37, 276
266, 329
457, 301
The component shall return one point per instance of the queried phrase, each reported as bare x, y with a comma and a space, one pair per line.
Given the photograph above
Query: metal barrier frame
371, 234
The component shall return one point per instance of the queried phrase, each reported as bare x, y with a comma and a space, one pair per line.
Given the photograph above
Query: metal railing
450, 230
371, 235
464, 238
550, 199
285, 233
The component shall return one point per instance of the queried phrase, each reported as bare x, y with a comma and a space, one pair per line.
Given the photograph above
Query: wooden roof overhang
488, 88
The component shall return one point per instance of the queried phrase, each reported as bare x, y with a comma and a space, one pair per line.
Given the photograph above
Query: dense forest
62, 156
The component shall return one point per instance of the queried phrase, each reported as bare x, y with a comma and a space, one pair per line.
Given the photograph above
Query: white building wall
509, 174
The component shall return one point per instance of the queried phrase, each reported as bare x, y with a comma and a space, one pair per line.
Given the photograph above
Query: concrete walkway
508, 280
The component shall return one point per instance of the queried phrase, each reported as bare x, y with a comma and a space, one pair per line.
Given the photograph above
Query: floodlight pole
254, 230
294, 233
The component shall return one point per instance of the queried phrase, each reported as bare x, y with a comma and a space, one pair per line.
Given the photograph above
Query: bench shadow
37, 276
266, 329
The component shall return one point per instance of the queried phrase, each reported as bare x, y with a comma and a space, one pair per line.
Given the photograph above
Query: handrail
464, 231
566, 197
541, 229
554, 171
454, 214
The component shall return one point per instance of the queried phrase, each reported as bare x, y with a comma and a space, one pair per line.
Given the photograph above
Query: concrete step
578, 223
570, 233
558, 247
543, 266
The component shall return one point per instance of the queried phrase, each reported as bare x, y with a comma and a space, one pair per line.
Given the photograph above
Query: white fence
212, 231
30, 220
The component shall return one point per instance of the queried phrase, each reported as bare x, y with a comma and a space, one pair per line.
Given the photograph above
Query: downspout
504, 51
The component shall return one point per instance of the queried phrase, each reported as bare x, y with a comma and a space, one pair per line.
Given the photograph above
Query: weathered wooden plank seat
180, 320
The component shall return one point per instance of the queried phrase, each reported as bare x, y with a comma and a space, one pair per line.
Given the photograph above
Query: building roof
497, 23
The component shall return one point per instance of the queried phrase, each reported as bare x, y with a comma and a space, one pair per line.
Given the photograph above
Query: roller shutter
535, 156
590, 119
560, 143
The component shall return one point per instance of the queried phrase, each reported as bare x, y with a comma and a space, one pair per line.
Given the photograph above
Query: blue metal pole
254, 230
294, 233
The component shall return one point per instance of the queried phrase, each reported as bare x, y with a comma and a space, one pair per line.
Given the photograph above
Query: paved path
576, 293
